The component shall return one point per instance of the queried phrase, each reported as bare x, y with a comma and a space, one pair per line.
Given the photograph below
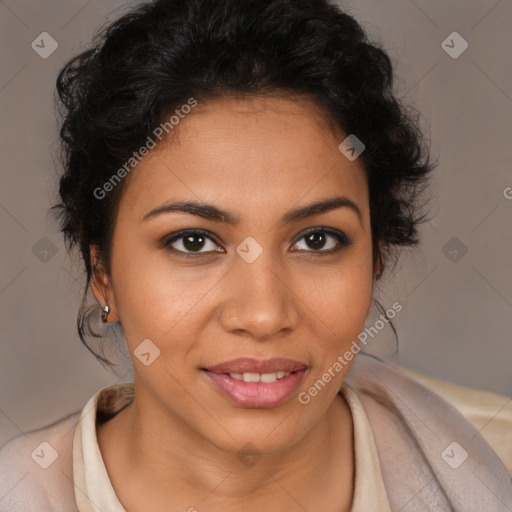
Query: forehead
249, 152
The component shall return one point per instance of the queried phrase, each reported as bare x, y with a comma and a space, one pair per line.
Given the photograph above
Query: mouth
251, 383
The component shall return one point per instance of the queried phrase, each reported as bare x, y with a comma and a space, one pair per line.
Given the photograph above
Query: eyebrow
213, 213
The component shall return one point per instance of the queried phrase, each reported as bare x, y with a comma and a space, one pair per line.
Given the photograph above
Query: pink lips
257, 394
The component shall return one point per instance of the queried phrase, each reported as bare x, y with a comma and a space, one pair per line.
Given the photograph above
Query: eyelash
342, 239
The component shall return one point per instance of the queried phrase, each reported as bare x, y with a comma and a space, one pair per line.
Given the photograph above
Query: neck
154, 455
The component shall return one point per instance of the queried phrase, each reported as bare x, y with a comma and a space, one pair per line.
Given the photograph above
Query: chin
258, 437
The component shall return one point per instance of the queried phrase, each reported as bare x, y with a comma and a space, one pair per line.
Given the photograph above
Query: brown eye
190, 242
323, 241
193, 242
316, 240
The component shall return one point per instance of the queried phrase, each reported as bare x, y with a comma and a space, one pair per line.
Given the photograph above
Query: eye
191, 242
324, 241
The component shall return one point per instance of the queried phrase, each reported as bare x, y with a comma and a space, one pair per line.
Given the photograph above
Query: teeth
251, 377
266, 378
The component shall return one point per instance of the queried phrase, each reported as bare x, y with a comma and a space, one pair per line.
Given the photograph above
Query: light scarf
422, 442
432, 458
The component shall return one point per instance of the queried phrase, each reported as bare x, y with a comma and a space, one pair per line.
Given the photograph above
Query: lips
252, 383
250, 365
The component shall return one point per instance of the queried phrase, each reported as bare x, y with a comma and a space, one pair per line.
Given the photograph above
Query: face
255, 275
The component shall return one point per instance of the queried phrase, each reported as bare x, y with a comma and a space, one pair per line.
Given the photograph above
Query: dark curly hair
161, 53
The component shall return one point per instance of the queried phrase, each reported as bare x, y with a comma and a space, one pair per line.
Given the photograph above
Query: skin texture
175, 447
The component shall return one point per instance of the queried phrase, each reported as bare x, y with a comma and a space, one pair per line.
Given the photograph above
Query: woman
238, 176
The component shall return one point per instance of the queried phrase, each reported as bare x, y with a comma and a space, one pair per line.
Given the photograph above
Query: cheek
152, 294
160, 298
341, 296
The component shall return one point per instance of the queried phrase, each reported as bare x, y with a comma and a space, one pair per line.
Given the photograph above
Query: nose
260, 301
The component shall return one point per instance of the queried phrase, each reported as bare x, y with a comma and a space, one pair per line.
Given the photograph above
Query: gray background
456, 320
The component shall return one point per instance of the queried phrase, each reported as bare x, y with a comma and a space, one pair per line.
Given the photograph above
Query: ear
101, 286
378, 267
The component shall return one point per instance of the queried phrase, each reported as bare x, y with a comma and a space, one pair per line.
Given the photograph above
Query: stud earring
105, 310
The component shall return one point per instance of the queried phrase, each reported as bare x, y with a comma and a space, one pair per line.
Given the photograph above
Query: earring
105, 310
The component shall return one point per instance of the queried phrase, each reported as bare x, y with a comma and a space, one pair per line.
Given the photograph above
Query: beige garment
489, 413
26, 487
94, 490
431, 456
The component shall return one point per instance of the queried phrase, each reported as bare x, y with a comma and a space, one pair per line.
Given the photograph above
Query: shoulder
36, 469
490, 413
